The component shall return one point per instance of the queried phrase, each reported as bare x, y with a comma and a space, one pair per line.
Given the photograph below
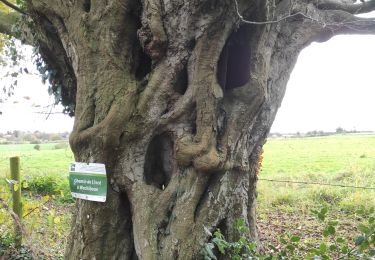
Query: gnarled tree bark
176, 98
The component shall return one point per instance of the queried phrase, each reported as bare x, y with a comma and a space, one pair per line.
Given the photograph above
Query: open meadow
47, 202
340, 159
283, 208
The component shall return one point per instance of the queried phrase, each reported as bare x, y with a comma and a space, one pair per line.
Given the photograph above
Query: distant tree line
339, 130
36, 137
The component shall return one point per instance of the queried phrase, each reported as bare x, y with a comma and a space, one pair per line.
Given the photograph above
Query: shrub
61, 146
11, 253
6, 240
331, 245
50, 185
46, 184
37, 147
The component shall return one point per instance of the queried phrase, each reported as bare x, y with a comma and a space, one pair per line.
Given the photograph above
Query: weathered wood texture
177, 114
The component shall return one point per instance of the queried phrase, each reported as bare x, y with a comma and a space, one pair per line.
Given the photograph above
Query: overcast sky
332, 85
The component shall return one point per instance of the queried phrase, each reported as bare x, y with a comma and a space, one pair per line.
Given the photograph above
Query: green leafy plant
6, 240
46, 184
49, 185
360, 247
243, 248
330, 246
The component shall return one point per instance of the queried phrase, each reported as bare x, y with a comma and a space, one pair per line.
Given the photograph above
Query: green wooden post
16, 194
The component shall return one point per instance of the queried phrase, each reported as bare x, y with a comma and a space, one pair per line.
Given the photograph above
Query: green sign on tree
88, 181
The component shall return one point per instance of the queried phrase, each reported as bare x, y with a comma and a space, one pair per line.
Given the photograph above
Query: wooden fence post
16, 194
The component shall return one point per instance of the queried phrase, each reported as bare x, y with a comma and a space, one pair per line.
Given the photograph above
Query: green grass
318, 155
46, 199
286, 207
339, 159
46, 161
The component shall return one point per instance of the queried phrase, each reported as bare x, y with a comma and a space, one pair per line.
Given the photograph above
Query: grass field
285, 208
340, 159
46, 201
282, 207
46, 161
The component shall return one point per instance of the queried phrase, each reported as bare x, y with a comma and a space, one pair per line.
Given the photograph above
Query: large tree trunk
176, 97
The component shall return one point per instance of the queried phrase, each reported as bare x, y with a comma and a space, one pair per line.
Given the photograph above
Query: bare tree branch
357, 26
338, 20
243, 20
296, 14
352, 8
14, 7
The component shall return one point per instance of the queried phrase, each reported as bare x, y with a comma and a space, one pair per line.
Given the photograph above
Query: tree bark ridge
178, 161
